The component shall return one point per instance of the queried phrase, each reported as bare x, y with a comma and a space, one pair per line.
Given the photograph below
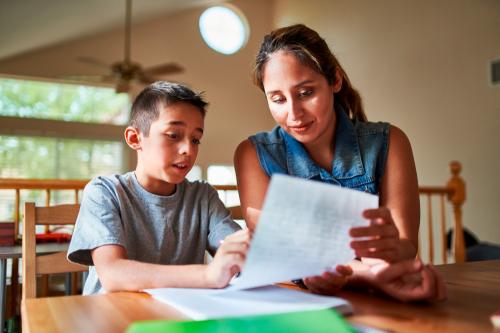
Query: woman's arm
407, 280
252, 182
393, 230
399, 191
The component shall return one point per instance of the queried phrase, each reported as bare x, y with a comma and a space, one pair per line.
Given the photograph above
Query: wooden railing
47, 185
454, 193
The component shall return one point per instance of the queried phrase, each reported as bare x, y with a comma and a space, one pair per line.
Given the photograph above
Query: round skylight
223, 29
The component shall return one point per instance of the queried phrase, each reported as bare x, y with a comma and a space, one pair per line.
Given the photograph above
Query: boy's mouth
181, 166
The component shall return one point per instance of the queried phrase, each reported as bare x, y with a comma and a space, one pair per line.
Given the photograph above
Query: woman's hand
407, 281
228, 260
381, 238
329, 283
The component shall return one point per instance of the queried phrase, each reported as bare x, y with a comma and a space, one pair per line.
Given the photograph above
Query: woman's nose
295, 110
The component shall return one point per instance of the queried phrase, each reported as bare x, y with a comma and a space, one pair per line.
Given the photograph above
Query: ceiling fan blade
146, 78
122, 86
164, 69
89, 78
93, 61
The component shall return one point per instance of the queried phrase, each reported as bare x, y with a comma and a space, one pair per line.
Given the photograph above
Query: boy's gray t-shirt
170, 230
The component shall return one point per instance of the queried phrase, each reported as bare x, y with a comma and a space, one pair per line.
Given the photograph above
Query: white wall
422, 65
237, 109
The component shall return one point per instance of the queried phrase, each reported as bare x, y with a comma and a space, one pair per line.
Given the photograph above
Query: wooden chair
46, 264
236, 213
454, 193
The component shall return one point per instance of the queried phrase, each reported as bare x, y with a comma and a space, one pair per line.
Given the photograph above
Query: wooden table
473, 295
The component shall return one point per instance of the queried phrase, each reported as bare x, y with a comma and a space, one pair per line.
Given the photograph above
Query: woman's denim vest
359, 157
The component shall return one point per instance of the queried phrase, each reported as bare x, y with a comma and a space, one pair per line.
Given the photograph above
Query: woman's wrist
407, 250
361, 277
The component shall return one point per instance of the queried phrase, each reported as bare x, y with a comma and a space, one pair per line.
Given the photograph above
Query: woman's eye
196, 142
278, 99
304, 93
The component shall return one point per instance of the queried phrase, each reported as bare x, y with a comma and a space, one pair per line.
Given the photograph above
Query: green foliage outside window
67, 102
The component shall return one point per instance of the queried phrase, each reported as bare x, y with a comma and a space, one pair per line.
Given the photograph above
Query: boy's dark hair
146, 107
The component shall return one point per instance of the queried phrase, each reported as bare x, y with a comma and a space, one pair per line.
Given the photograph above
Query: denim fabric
359, 157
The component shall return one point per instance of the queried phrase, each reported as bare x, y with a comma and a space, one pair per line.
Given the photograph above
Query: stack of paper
303, 231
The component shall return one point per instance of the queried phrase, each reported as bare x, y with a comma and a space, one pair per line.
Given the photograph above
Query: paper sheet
303, 231
208, 303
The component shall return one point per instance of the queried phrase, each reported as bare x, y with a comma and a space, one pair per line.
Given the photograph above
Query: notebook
200, 304
321, 321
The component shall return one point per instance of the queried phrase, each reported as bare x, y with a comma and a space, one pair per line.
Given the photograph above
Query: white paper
202, 304
303, 231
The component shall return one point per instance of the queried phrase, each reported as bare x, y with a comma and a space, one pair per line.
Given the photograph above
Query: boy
150, 228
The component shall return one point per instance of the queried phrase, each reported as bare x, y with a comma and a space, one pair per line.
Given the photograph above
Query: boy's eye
172, 136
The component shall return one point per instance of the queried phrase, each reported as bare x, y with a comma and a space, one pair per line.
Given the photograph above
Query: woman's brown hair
311, 50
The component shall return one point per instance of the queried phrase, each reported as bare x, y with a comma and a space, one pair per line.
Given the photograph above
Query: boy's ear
133, 138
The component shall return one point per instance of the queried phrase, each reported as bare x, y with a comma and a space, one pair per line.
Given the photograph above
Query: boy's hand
228, 260
329, 283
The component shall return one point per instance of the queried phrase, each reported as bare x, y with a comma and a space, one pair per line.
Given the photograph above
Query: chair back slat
56, 263
57, 215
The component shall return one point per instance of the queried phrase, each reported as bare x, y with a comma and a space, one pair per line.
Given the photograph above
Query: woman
323, 134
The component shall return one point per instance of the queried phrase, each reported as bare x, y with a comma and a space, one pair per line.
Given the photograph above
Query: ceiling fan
123, 72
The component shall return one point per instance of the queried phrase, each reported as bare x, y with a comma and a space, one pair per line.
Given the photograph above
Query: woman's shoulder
372, 128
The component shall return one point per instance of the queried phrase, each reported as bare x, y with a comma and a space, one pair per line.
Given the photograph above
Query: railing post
457, 197
17, 207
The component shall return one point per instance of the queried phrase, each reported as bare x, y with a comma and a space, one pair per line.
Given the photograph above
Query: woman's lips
301, 128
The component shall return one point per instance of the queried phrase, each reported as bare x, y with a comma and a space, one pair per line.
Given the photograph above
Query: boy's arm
220, 223
118, 273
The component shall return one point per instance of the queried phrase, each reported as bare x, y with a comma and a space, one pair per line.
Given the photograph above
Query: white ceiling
30, 24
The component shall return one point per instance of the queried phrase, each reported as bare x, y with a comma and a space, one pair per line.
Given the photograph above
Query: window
53, 130
66, 102
194, 174
224, 175
62, 131
221, 175
224, 29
